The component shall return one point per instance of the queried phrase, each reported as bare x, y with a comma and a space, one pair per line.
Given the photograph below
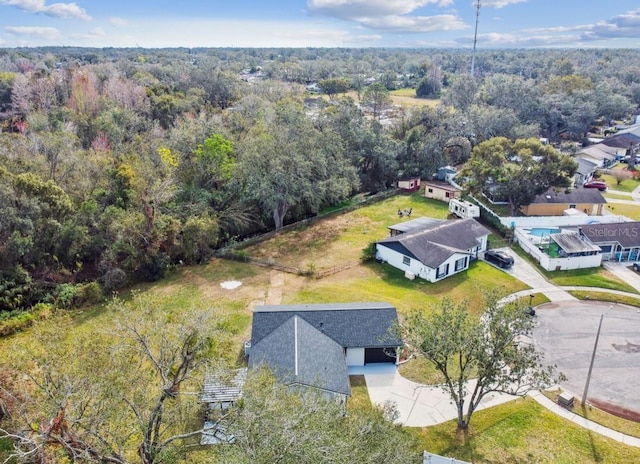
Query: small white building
435, 251
463, 209
439, 190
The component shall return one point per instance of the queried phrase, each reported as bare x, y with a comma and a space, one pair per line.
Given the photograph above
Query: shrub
368, 253
88, 294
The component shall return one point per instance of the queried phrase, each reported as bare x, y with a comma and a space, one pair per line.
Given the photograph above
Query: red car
596, 184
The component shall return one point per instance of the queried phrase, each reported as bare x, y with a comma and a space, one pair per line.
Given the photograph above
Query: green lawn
627, 185
592, 277
600, 417
338, 240
522, 431
617, 196
404, 92
603, 296
382, 282
631, 211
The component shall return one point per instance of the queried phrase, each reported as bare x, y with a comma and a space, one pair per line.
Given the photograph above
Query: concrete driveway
525, 272
418, 405
566, 333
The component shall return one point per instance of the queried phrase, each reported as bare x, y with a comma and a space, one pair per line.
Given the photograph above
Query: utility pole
475, 38
593, 357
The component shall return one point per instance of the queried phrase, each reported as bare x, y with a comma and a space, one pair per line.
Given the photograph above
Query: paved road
566, 333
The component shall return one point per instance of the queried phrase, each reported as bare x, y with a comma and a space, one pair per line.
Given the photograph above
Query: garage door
379, 355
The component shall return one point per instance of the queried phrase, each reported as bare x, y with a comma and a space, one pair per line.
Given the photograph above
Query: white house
436, 250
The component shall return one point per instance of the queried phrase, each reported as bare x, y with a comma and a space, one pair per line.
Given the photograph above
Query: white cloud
355, 9
118, 22
46, 33
57, 10
500, 3
96, 33
389, 15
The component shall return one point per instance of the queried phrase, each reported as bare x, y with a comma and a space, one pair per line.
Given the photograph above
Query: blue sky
320, 23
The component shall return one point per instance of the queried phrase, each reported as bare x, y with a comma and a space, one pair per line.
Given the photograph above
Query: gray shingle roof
298, 353
414, 224
348, 324
625, 233
579, 195
436, 243
585, 167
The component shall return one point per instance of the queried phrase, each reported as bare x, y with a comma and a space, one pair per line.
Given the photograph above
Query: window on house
430, 190
572, 206
461, 264
442, 271
406, 260
447, 194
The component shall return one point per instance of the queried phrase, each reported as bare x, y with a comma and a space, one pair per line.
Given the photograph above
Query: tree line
118, 164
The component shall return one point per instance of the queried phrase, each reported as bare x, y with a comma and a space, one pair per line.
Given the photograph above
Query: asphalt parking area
565, 334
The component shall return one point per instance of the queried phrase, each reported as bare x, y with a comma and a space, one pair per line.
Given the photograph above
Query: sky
321, 23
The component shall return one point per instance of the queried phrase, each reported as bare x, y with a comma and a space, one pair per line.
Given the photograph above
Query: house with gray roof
555, 201
313, 345
585, 171
617, 241
435, 251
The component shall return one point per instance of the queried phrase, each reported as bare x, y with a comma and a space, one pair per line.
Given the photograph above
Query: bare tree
121, 396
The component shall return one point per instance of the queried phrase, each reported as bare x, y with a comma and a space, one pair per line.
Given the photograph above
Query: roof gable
298, 353
348, 324
436, 243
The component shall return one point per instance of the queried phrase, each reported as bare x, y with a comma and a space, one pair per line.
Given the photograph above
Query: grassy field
617, 196
603, 296
631, 211
522, 431
592, 277
500, 435
339, 240
600, 417
627, 185
407, 97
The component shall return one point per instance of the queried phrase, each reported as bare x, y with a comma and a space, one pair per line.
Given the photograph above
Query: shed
439, 190
410, 184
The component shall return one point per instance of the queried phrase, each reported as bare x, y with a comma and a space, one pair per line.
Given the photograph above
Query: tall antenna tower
475, 38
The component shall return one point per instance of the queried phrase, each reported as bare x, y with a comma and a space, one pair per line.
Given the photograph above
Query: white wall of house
355, 356
399, 261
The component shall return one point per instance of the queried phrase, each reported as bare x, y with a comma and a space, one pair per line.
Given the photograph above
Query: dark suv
499, 258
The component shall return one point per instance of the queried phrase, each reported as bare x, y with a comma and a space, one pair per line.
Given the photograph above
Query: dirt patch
619, 411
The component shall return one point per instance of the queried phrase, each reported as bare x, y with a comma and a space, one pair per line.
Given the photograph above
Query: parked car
596, 184
499, 258
636, 267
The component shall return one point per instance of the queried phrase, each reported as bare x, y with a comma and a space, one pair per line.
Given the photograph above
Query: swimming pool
542, 231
